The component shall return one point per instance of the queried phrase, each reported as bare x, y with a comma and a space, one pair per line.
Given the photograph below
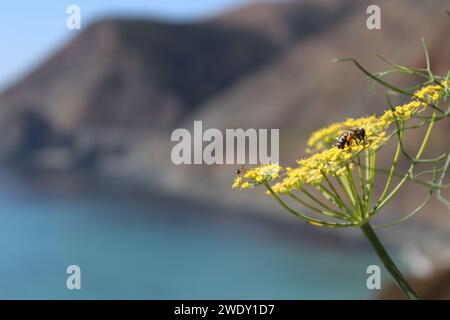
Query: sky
31, 30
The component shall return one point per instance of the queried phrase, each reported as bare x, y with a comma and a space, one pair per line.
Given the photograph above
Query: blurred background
85, 123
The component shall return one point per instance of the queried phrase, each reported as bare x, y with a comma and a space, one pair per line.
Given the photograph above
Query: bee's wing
349, 128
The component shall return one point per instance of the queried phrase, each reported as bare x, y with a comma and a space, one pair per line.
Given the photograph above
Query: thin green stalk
427, 59
416, 210
338, 197
408, 216
391, 173
441, 179
349, 194
387, 84
410, 170
302, 216
352, 185
335, 213
414, 179
361, 180
317, 210
342, 183
370, 175
388, 263
333, 198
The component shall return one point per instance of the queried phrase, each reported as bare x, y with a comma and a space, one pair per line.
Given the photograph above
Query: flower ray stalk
391, 172
348, 191
362, 183
310, 220
332, 213
382, 202
351, 182
333, 198
319, 211
337, 197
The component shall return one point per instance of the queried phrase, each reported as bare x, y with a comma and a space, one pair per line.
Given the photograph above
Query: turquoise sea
128, 249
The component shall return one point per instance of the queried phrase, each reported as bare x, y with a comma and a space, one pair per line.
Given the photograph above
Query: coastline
78, 184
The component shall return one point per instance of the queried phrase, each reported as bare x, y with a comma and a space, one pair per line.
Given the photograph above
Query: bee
241, 170
354, 134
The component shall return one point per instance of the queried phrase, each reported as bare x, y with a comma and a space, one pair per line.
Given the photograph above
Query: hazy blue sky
30, 30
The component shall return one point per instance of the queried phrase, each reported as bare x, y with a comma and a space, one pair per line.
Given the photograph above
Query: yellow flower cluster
256, 176
403, 112
326, 137
422, 98
295, 179
431, 93
332, 161
314, 169
329, 162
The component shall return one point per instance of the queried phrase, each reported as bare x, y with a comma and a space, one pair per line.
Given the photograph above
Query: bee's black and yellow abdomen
342, 141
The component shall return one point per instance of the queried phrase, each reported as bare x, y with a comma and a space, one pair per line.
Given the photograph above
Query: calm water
130, 250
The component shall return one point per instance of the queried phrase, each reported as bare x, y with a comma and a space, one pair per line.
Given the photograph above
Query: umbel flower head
336, 182
421, 99
327, 181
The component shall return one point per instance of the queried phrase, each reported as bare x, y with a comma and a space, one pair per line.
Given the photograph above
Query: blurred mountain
107, 102
125, 74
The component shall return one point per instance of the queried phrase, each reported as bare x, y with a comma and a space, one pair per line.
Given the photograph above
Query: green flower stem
302, 216
352, 184
324, 212
441, 179
388, 263
387, 84
394, 165
423, 204
414, 179
361, 180
334, 213
427, 135
320, 203
348, 191
408, 216
337, 197
381, 203
334, 198
370, 183
368, 175
391, 173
